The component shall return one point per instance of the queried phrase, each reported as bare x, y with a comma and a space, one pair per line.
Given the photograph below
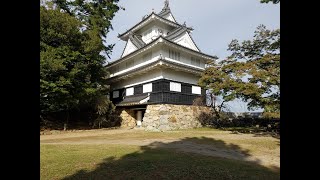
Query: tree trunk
214, 106
66, 123
216, 112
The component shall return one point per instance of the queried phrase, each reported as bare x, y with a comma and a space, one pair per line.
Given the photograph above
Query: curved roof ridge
152, 42
149, 16
137, 41
176, 32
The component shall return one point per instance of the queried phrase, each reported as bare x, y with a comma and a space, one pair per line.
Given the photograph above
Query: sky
215, 22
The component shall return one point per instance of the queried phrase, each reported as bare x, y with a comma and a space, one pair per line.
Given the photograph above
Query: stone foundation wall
128, 117
164, 117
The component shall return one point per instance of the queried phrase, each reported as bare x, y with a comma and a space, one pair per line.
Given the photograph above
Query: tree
104, 110
267, 1
96, 16
251, 73
61, 61
217, 82
71, 65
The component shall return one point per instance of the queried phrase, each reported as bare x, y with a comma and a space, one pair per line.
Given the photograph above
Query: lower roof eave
158, 64
130, 104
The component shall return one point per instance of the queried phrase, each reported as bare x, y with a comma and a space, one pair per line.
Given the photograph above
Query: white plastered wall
180, 76
184, 57
130, 47
136, 60
153, 28
186, 41
144, 78
157, 74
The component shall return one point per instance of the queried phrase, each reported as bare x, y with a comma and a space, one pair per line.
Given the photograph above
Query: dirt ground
264, 150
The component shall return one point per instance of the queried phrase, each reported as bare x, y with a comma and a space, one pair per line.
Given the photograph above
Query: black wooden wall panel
161, 93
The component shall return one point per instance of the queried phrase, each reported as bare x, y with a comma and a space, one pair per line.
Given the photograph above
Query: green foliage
60, 61
271, 115
267, 1
103, 106
104, 110
72, 74
96, 15
250, 73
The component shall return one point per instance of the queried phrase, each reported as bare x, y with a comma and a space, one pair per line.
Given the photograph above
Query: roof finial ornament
166, 4
184, 24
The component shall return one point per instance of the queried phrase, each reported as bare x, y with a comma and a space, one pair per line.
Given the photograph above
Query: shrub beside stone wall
164, 117
127, 116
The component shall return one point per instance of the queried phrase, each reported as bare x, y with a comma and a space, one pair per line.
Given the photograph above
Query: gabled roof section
134, 42
137, 40
188, 49
179, 32
129, 45
166, 12
142, 23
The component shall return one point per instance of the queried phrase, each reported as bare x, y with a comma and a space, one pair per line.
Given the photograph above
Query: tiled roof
176, 32
132, 100
149, 44
165, 20
137, 41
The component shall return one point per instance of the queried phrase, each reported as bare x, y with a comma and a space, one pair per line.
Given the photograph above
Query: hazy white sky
215, 22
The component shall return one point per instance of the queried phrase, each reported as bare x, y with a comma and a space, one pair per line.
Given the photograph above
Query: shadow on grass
188, 158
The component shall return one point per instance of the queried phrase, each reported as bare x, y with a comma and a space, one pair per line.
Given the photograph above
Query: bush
199, 101
104, 110
227, 121
271, 115
206, 119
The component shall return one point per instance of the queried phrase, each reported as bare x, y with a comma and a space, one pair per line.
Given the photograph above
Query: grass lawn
116, 156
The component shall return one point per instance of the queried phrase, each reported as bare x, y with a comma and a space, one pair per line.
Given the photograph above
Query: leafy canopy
96, 15
71, 65
250, 73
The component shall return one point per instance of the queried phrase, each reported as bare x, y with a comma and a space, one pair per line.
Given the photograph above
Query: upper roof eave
198, 52
124, 35
153, 42
134, 52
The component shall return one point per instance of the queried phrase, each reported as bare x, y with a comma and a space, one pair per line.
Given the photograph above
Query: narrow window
174, 55
175, 87
196, 90
195, 62
147, 88
129, 91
